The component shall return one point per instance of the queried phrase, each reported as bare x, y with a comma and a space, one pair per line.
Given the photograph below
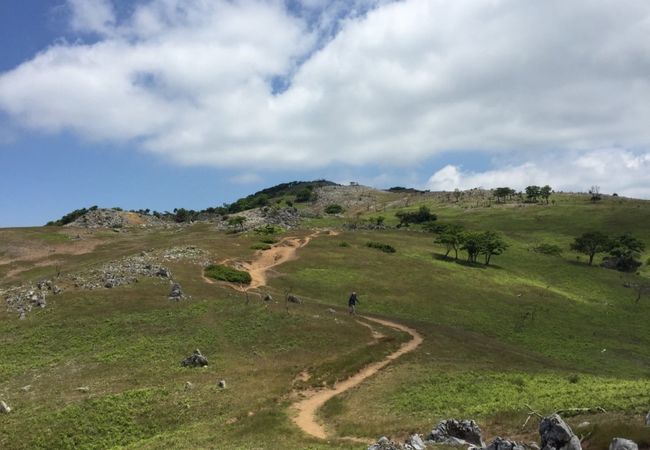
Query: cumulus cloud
378, 82
614, 170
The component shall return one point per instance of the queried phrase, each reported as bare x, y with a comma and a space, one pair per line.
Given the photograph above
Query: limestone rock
414, 442
196, 359
555, 434
457, 432
4, 409
384, 444
623, 444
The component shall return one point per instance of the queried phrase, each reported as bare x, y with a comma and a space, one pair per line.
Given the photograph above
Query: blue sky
161, 104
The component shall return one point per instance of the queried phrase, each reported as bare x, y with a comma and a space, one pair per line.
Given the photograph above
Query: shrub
573, 379
548, 249
268, 230
334, 209
423, 214
225, 273
269, 240
344, 244
260, 246
381, 246
304, 195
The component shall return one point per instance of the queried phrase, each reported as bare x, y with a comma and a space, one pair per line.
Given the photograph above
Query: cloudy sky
165, 103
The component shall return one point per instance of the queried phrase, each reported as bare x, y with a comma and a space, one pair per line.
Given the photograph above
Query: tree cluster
622, 251
71, 216
422, 215
475, 244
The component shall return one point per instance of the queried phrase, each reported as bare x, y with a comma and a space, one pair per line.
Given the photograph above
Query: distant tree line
71, 216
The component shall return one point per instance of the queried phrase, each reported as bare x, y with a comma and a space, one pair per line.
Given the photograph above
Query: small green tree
590, 244
491, 244
472, 244
545, 192
623, 253
237, 222
501, 193
533, 192
452, 238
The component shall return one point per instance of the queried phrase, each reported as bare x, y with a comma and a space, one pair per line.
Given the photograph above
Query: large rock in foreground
623, 444
502, 444
555, 434
457, 432
196, 359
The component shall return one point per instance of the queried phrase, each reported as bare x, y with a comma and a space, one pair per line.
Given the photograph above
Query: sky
192, 103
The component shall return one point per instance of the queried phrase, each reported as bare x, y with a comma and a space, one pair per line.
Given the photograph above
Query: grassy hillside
546, 331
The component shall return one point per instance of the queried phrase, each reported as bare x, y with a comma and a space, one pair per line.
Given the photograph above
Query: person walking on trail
352, 303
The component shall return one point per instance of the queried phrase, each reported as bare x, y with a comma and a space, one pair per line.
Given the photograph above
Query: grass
386, 248
260, 246
225, 273
537, 329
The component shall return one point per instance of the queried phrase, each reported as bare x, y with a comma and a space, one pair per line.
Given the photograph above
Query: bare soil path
307, 407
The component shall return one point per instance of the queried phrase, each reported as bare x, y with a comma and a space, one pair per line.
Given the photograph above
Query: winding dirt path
307, 407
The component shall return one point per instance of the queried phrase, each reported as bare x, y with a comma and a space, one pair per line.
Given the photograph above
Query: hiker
352, 303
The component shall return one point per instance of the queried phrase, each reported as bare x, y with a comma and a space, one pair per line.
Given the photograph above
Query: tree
304, 195
457, 194
532, 192
591, 243
501, 193
472, 245
452, 238
491, 244
545, 192
595, 193
237, 221
623, 253
422, 215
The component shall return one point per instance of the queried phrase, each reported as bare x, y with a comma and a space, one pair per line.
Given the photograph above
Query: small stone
331, 311
555, 434
189, 386
268, 298
647, 420
414, 442
222, 384
583, 424
4, 409
83, 389
26, 388
623, 444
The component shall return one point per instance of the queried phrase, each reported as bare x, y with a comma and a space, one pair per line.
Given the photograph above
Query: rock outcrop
196, 359
176, 293
457, 432
384, 444
502, 444
623, 444
555, 434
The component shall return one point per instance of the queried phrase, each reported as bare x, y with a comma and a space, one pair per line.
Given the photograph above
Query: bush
422, 215
380, 246
260, 246
269, 240
334, 209
225, 273
304, 195
268, 230
573, 379
548, 249
344, 244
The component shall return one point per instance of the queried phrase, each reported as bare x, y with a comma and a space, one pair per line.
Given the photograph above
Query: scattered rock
26, 388
647, 420
195, 360
455, 432
502, 444
384, 444
293, 299
623, 444
268, 298
4, 409
176, 292
163, 273
331, 311
84, 389
222, 384
189, 386
555, 434
115, 219
414, 442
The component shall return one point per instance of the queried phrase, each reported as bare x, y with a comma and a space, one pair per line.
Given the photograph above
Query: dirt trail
285, 250
307, 408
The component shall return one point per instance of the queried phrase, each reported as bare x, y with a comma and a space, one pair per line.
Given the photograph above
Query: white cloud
246, 178
94, 16
191, 80
614, 170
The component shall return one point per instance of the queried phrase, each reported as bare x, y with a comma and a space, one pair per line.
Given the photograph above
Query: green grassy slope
545, 331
